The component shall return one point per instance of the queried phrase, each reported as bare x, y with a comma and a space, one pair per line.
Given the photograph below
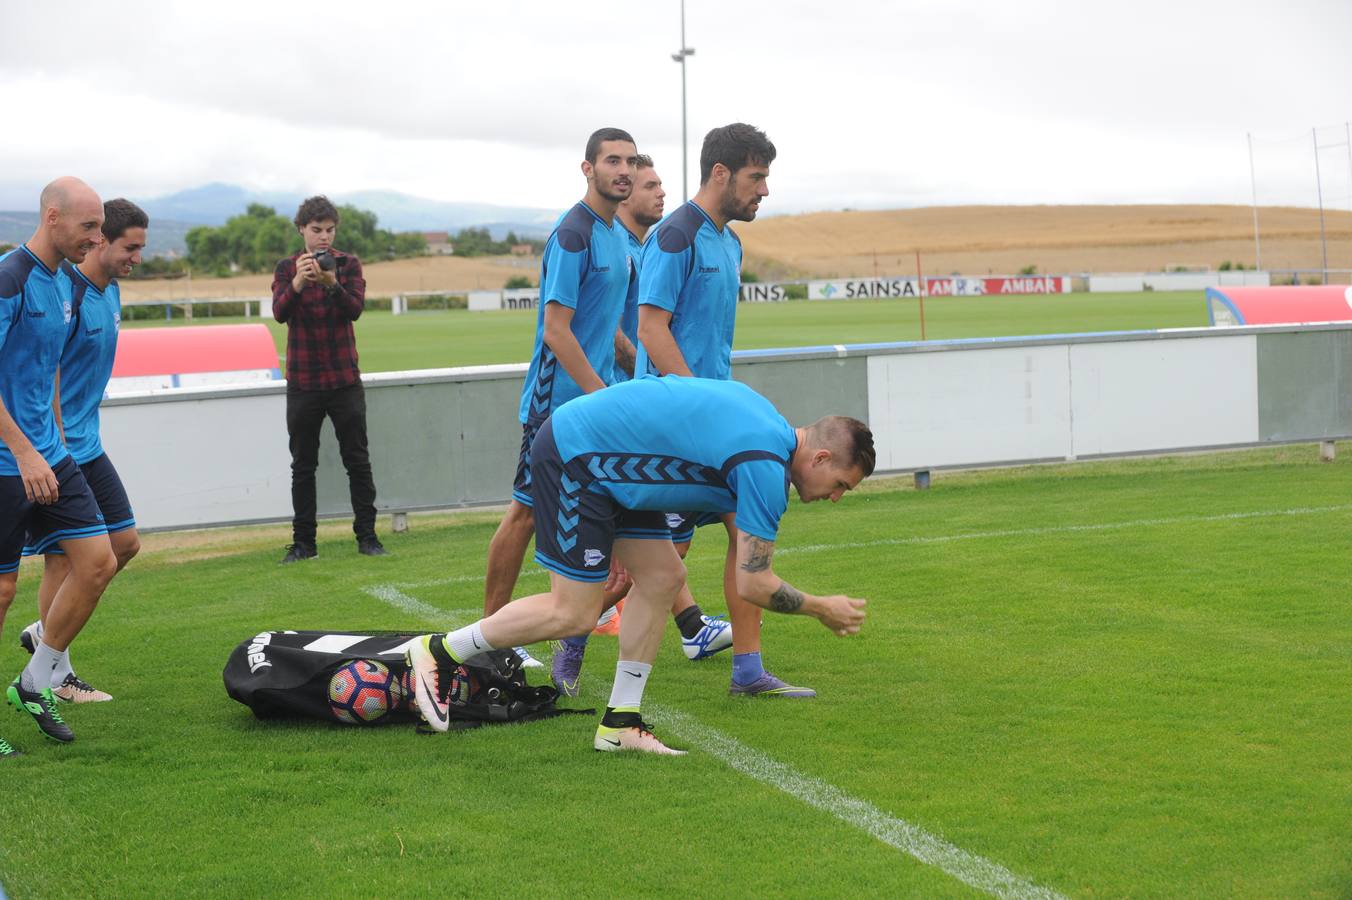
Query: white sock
38, 673
630, 680
62, 668
468, 642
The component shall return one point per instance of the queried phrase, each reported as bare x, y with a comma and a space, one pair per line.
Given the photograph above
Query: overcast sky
871, 104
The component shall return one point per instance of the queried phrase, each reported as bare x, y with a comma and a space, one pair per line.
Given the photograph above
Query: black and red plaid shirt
321, 351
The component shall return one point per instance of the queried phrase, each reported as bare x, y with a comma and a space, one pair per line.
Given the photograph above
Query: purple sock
746, 667
577, 643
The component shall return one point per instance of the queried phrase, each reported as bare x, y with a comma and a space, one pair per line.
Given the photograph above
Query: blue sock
577, 643
746, 667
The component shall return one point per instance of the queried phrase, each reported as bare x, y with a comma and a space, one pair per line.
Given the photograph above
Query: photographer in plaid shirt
318, 293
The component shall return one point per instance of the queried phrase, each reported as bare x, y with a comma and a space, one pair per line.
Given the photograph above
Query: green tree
517, 281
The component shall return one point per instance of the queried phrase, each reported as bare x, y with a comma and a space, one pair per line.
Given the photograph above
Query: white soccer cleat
633, 737
715, 636
527, 661
425, 668
30, 636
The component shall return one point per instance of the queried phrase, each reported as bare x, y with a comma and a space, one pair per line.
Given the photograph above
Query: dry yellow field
383, 279
968, 240
979, 240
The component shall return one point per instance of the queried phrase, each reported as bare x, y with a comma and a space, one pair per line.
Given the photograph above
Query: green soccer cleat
41, 705
7, 750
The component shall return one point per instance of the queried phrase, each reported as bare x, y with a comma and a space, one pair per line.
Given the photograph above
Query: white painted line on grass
1063, 529
388, 593
930, 849
973, 870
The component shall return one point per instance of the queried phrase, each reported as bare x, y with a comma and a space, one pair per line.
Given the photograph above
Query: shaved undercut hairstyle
735, 146
849, 440
601, 135
316, 209
121, 214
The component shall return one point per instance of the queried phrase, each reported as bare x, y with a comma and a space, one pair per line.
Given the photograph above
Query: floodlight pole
1253, 180
1319, 187
680, 58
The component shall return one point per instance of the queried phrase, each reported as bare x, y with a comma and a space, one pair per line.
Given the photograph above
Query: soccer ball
364, 691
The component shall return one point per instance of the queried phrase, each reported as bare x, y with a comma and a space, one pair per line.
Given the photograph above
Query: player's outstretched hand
39, 482
843, 615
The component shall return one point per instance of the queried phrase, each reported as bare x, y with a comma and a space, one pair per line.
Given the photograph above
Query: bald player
42, 490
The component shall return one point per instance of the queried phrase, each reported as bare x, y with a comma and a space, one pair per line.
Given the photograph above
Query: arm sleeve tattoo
786, 598
758, 553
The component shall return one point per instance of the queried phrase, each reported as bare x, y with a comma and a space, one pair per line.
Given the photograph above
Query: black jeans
305, 412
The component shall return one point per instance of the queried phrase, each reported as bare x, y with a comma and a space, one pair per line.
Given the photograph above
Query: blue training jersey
629, 318
87, 361
693, 271
586, 268
692, 444
35, 318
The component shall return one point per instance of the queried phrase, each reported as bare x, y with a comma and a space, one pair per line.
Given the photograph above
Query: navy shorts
576, 526
521, 484
681, 526
75, 514
109, 494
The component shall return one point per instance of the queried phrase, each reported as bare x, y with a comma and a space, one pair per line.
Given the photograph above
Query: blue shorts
521, 484
576, 526
109, 494
682, 525
75, 514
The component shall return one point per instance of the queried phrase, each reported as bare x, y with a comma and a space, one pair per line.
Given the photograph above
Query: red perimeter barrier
1279, 305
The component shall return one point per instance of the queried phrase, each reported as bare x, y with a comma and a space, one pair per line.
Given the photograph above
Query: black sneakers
371, 546
41, 705
296, 552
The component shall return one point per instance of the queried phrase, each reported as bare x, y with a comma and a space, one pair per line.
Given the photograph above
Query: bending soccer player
584, 278
86, 366
604, 468
42, 491
701, 636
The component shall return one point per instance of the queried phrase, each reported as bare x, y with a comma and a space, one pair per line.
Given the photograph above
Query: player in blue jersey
584, 276
86, 366
42, 490
701, 636
688, 291
604, 469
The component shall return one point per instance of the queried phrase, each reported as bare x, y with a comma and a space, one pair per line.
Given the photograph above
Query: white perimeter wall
214, 456
977, 405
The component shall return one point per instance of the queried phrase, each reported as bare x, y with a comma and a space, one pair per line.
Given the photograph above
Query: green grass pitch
1124, 678
439, 339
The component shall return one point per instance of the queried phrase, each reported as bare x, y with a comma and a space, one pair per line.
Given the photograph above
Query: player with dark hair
604, 467
701, 636
318, 293
86, 365
43, 493
584, 278
688, 289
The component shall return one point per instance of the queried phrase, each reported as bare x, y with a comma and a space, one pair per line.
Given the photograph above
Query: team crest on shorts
674, 520
592, 557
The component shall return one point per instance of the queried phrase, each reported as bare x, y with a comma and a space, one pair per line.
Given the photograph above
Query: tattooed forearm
786, 598
758, 553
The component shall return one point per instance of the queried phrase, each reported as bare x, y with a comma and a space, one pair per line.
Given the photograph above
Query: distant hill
212, 204
165, 235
